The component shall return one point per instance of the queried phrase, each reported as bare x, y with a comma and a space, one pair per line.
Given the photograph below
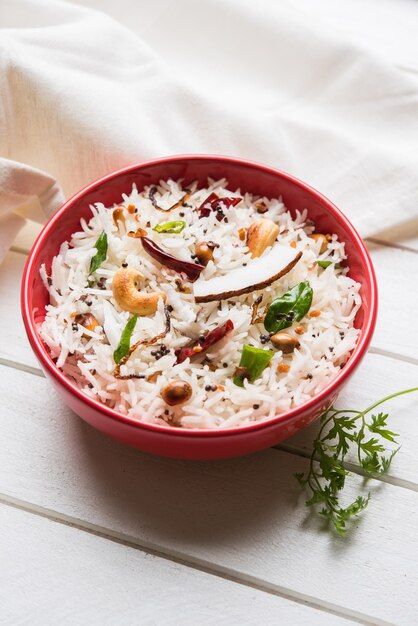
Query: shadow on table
211, 502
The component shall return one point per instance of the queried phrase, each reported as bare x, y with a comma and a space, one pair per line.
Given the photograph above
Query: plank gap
393, 355
36, 371
354, 469
390, 244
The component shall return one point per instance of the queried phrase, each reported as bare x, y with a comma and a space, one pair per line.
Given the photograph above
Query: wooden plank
240, 516
396, 272
73, 577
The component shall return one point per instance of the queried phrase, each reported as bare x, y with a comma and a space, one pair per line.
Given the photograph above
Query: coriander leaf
372, 445
100, 256
290, 307
377, 426
125, 340
386, 462
170, 227
340, 430
355, 508
371, 463
300, 477
317, 497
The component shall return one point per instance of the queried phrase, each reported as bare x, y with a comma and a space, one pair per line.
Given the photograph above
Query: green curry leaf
100, 256
289, 308
125, 340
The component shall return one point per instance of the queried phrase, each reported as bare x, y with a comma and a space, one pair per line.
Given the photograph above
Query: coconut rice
87, 356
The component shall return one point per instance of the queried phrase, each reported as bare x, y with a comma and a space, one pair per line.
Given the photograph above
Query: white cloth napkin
81, 95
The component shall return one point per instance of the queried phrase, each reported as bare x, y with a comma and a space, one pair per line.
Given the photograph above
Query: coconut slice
258, 274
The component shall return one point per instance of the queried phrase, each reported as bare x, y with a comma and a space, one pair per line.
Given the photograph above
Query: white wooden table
92, 532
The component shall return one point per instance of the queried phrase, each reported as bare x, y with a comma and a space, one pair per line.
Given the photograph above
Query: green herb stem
387, 398
327, 468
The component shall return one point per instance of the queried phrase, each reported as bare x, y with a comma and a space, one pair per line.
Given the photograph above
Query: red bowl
248, 176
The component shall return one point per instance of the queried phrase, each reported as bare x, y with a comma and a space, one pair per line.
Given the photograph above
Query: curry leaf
290, 307
100, 256
125, 340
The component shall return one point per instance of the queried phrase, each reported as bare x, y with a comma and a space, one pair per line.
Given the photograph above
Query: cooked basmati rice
87, 357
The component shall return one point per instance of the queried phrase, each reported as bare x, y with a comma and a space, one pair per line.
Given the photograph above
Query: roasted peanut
284, 342
261, 207
176, 392
323, 239
204, 252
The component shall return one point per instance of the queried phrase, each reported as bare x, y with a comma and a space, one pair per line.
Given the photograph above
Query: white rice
87, 357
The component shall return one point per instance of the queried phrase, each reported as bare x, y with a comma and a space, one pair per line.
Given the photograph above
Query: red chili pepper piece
217, 204
192, 270
199, 346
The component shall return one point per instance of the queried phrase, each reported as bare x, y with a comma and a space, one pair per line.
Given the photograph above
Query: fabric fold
81, 95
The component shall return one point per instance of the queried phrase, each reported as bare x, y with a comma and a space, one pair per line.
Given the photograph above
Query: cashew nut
261, 235
126, 292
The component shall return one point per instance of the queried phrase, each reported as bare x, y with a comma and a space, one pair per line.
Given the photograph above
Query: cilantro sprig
340, 431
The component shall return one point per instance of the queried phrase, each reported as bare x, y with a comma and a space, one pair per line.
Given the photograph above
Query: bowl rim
40, 350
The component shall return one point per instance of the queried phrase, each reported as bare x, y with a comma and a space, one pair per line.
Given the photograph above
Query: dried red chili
217, 204
192, 270
203, 343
